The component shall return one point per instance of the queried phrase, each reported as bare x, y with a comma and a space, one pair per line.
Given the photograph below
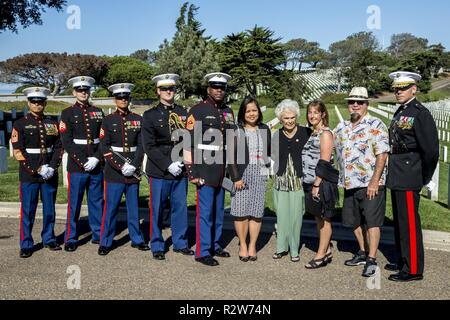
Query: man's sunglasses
360, 103
173, 89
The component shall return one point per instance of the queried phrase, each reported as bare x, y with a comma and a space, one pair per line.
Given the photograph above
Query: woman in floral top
288, 196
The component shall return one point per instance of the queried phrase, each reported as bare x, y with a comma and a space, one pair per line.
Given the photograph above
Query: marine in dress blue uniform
167, 175
412, 162
121, 146
37, 146
80, 134
205, 161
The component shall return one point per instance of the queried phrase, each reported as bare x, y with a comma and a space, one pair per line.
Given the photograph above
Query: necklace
289, 135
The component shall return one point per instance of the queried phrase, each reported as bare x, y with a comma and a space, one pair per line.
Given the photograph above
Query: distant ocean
6, 91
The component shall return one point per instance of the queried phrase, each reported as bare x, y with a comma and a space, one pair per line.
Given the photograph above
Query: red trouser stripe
412, 231
104, 210
68, 206
150, 206
21, 213
197, 226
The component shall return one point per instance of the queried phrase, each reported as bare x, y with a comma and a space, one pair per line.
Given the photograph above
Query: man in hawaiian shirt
362, 146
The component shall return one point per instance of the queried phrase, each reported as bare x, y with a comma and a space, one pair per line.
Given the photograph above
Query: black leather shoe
95, 241
392, 267
26, 253
53, 246
185, 251
103, 251
208, 261
159, 255
222, 253
405, 277
70, 247
140, 246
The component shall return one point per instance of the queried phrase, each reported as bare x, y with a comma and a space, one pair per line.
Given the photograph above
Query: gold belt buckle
126, 149
90, 141
43, 151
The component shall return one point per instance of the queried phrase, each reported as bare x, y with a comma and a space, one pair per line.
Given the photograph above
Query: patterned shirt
311, 156
356, 151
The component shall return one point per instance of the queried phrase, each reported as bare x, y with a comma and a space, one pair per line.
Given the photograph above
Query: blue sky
122, 27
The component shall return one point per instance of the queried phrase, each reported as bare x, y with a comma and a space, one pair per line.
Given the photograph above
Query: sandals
253, 258
277, 256
317, 263
244, 259
295, 259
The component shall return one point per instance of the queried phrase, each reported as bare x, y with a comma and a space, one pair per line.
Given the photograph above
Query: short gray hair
287, 105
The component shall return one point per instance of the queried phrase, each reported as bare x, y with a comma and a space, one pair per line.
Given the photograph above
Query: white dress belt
38, 151
85, 142
121, 149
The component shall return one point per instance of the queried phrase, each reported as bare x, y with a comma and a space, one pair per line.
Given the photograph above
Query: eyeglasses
173, 89
360, 103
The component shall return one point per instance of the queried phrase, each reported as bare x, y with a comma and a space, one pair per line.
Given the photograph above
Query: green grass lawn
434, 215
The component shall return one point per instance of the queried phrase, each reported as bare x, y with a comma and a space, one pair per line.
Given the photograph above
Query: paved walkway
130, 274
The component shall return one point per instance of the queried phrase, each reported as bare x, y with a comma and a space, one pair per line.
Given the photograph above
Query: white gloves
128, 170
46, 172
91, 164
176, 168
430, 186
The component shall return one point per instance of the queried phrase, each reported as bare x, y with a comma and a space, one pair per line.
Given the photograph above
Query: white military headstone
341, 119
434, 193
144, 162
11, 150
445, 153
271, 124
64, 168
3, 160
263, 109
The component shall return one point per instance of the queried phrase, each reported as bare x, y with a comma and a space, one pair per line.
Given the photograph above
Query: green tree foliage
189, 54
345, 53
25, 12
404, 44
145, 55
252, 58
124, 69
51, 70
300, 51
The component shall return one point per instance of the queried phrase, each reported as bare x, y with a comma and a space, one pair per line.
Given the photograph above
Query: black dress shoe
26, 253
103, 251
392, 267
140, 246
70, 247
405, 277
222, 253
185, 251
53, 246
244, 259
95, 241
208, 261
159, 255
